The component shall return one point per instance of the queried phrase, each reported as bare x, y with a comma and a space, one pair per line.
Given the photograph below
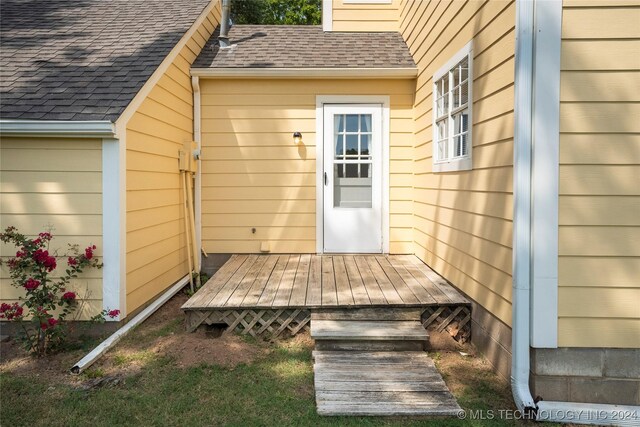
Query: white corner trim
57, 128
197, 137
113, 227
321, 100
164, 66
304, 73
327, 15
544, 182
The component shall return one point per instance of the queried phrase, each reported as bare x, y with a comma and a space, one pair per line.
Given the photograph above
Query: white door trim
351, 99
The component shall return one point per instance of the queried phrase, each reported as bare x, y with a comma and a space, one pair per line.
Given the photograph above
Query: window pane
464, 69
365, 123
352, 144
442, 149
352, 122
442, 130
461, 122
456, 97
464, 92
460, 145
364, 144
352, 191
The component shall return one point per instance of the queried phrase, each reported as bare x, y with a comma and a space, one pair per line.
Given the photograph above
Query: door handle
325, 178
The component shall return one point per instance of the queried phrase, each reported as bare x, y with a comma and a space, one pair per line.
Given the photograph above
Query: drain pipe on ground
558, 412
103, 347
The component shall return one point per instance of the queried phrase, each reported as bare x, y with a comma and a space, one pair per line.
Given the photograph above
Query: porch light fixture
297, 138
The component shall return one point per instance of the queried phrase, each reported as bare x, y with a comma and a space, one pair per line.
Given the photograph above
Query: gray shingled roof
84, 59
297, 46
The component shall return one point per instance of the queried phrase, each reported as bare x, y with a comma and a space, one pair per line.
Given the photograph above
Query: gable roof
84, 59
304, 46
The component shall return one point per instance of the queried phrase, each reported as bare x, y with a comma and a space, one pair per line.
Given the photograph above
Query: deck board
315, 281
299, 291
329, 292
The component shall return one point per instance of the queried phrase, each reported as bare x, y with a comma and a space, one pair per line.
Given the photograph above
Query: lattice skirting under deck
272, 323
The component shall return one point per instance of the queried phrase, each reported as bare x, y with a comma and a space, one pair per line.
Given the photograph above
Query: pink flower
20, 254
69, 296
31, 284
72, 261
88, 253
45, 236
10, 312
113, 313
52, 321
37, 242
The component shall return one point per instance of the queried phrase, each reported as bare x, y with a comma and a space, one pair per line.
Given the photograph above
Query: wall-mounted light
297, 138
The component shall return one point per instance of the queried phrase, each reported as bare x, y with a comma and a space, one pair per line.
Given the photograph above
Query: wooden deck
271, 294
323, 281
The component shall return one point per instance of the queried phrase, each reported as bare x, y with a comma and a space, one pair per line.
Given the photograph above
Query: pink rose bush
46, 302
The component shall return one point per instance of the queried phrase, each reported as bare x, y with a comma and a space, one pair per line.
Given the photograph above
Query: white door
353, 178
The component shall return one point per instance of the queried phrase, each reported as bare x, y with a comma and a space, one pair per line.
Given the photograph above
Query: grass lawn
161, 376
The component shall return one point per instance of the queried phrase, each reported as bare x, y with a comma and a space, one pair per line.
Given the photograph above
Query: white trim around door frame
321, 100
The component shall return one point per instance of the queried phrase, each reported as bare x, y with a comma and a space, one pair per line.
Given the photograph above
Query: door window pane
339, 145
338, 123
352, 145
352, 122
365, 123
364, 144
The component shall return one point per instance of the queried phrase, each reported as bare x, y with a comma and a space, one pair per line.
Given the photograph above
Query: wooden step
366, 313
367, 330
369, 345
380, 383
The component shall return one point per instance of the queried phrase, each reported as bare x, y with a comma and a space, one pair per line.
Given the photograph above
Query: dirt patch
200, 348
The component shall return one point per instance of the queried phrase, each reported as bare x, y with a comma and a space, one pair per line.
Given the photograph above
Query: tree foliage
276, 12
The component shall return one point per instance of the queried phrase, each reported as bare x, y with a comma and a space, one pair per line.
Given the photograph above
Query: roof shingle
300, 46
84, 59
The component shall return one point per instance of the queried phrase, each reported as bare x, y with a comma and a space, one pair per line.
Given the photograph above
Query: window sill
463, 164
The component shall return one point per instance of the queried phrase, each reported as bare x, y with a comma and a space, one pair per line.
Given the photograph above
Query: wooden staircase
371, 361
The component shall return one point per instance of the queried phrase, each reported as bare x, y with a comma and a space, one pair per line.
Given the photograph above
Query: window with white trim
452, 105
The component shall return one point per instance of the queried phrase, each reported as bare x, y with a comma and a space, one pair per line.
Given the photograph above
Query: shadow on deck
275, 294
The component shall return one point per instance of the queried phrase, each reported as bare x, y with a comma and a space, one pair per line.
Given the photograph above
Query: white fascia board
545, 171
303, 73
58, 128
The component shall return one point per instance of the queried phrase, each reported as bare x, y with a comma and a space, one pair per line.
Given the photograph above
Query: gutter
302, 73
107, 344
72, 129
528, 12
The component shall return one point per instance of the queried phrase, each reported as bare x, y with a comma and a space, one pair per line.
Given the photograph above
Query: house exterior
495, 140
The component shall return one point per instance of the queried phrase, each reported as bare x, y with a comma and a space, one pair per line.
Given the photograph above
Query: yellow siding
53, 183
161, 125
363, 16
253, 175
463, 220
599, 206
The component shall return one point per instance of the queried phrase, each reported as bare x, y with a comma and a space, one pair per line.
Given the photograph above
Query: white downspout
559, 412
522, 207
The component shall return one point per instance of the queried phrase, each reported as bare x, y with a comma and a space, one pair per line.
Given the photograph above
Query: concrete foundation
588, 375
